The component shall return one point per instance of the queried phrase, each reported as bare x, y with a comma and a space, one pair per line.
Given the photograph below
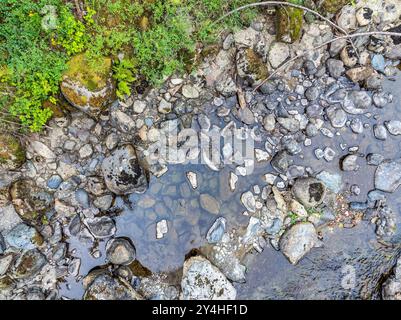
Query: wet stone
101, 227
349, 163
249, 202
356, 126
216, 231
374, 159
388, 175
309, 191
393, 127
161, 228
120, 251
380, 132
209, 203
54, 182
328, 154
337, 116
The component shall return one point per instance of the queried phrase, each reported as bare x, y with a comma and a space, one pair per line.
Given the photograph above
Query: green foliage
124, 73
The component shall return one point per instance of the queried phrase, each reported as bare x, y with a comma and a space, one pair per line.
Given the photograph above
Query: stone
193, 179
139, 106
328, 154
388, 175
297, 241
104, 202
356, 125
280, 162
269, 122
374, 159
349, 163
309, 191
364, 16
30, 202
357, 102
347, 18
203, 281
261, 155
337, 116
54, 181
23, 237
66, 171
103, 286
249, 202
331, 180
29, 264
122, 172
12, 153
290, 124
8, 218
216, 231
298, 209
5, 263
87, 88
209, 203
112, 141
85, 151
164, 107
101, 227
394, 127
380, 132
232, 182
120, 251
381, 99
82, 197
359, 74
312, 93
161, 228
279, 52
335, 68
41, 149
337, 46
190, 92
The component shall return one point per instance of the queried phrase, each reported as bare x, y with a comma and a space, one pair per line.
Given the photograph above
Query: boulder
12, 154
388, 175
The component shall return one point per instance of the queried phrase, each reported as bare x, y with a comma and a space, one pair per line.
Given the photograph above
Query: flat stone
209, 203
278, 54
388, 175
190, 92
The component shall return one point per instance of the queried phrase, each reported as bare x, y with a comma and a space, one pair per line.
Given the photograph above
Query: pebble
216, 231
190, 92
161, 228
380, 132
328, 154
394, 127
139, 106
349, 163
54, 182
86, 151
209, 203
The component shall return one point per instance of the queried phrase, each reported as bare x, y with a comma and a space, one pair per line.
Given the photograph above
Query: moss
11, 151
332, 6
91, 76
289, 24
256, 65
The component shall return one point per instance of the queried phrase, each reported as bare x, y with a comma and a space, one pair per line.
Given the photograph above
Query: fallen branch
354, 35
283, 3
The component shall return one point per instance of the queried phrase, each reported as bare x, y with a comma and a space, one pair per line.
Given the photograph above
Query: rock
161, 228
23, 237
5, 263
378, 63
337, 46
106, 287
381, 99
203, 281
312, 93
216, 231
250, 65
289, 23
66, 170
394, 52
298, 209
54, 181
249, 202
120, 251
139, 106
331, 180
388, 175
347, 18
357, 102
297, 241
356, 125
348, 57
335, 68
364, 16
29, 264
380, 132
329, 154
232, 182
359, 74
280, 162
82, 198
41, 149
290, 124
101, 227
111, 141
86, 151
394, 127
164, 107
279, 52
30, 202
309, 191
269, 122
209, 203
261, 155
104, 202
391, 288
374, 159
190, 92
86, 88
12, 154
122, 172
193, 179
337, 116
349, 163
204, 122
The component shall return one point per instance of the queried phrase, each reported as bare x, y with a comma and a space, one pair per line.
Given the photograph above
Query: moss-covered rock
289, 22
12, 153
332, 6
30, 202
88, 86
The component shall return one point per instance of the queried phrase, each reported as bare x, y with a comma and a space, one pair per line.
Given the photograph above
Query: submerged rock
120, 251
122, 172
86, 88
106, 287
388, 175
203, 281
209, 203
216, 231
297, 241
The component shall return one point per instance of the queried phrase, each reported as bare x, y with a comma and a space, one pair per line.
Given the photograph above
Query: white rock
164, 107
139, 106
190, 92
233, 181
248, 200
261, 155
193, 179
203, 281
42, 150
269, 178
279, 52
161, 228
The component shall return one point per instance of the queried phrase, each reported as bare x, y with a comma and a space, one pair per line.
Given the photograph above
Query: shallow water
269, 274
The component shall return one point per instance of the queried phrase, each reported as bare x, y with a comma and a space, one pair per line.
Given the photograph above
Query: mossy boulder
88, 85
12, 153
332, 6
30, 202
289, 23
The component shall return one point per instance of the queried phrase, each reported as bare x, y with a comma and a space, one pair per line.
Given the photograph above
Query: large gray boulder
388, 175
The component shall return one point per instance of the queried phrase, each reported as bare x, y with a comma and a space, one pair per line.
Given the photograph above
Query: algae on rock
12, 154
289, 22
